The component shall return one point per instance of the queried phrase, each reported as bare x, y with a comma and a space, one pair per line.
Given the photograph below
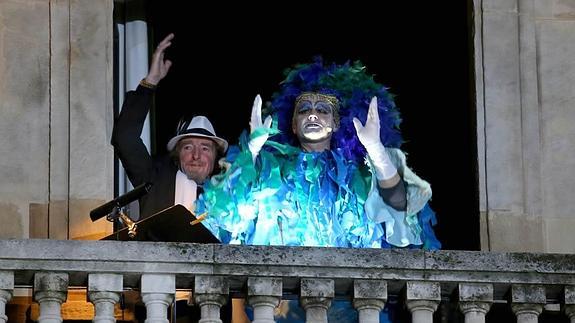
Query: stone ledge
237, 263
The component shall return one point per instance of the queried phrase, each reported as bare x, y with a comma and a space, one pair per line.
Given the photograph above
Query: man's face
313, 119
197, 157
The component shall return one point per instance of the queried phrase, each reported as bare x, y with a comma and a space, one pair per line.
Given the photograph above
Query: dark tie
199, 190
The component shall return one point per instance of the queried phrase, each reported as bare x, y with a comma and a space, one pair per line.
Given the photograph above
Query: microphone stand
118, 213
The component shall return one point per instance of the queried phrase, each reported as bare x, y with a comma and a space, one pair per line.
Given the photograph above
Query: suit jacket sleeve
126, 136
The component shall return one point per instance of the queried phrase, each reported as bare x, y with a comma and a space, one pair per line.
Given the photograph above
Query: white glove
258, 140
369, 136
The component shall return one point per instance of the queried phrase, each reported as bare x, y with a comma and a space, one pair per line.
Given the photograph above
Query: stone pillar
210, 293
264, 294
527, 302
104, 292
6, 289
568, 302
475, 301
422, 299
157, 292
316, 295
369, 297
90, 114
50, 291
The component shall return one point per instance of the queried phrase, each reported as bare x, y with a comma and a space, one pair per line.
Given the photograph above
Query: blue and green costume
296, 198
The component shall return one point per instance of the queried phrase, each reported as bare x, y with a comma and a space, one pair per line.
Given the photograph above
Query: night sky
420, 50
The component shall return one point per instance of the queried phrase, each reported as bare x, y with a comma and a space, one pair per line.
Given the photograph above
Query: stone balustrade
263, 275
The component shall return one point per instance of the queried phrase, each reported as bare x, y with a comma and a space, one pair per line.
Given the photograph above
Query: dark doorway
224, 55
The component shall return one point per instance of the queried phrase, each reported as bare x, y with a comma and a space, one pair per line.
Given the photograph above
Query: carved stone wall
56, 88
525, 82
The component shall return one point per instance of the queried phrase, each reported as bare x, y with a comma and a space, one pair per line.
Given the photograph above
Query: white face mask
313, 119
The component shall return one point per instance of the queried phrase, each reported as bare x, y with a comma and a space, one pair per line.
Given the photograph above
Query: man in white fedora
194, 150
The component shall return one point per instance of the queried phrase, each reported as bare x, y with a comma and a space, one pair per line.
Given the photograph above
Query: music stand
169, 225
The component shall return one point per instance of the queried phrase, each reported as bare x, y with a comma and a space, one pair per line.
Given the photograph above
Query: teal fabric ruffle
293, 198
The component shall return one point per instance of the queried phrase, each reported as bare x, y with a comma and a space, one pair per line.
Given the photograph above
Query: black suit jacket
140, 166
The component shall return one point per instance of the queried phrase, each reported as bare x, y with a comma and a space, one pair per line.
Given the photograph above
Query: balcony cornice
396, 266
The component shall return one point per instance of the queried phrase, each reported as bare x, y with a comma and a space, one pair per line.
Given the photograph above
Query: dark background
224, 55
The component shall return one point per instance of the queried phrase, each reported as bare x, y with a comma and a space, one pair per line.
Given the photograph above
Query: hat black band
200, 131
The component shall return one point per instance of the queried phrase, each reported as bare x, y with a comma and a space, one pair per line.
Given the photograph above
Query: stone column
210, 293
104, 292
50, 291
527, 302
6, 290
422, 299
369, 297
475, 301
569, 302
157, 292
316, 295
264, 294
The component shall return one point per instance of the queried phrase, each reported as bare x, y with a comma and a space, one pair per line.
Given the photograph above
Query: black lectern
170, 225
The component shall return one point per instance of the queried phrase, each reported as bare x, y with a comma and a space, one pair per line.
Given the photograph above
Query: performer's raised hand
159, 67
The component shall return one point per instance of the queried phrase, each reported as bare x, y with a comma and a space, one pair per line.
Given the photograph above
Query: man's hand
258, 130
159, 67
369, 137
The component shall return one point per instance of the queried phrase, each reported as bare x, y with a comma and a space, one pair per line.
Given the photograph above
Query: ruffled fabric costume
295, 198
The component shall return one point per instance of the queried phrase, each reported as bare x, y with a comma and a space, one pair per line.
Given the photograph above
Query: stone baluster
422, 299
369, 297
568, 302
210, 293
6, 290
157, 291
104, 292
475, 301
527, 302
264, 294
50, 291
316, 295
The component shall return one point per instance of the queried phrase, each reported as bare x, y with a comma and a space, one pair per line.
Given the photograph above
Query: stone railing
263, 275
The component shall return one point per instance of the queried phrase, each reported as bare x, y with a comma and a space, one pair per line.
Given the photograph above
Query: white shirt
186, 191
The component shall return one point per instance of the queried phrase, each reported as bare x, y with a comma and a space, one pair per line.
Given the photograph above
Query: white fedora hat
200, 126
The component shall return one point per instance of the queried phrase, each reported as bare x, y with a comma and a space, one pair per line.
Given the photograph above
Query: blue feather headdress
354, 89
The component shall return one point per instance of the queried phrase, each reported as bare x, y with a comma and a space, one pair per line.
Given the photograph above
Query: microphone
120, 201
